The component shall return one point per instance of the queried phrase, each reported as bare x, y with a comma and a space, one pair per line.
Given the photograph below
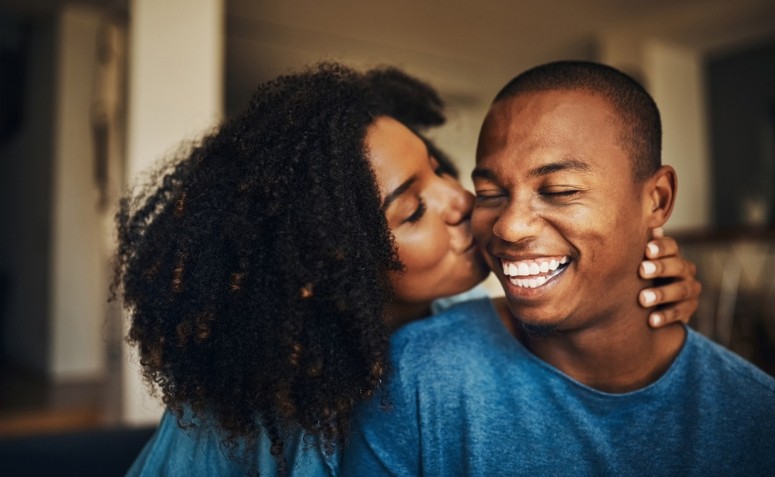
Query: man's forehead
546, 141
548, 100
558, 113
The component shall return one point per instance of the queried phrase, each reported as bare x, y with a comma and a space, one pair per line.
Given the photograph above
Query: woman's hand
678, 299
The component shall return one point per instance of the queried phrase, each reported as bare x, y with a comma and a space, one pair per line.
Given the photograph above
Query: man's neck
619, 355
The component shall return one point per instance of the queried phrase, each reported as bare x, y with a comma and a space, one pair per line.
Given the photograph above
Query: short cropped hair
639, 120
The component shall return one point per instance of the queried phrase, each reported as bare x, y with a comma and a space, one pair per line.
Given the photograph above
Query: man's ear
660, 190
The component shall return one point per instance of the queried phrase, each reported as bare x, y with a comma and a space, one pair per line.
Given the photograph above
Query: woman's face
429, 214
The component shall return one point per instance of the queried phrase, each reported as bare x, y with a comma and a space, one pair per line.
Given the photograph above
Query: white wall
676, 78
175, 75
79, 265
175, 92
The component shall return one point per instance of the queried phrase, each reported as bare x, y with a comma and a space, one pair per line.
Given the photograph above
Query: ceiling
456, 43
465, 48
465, 45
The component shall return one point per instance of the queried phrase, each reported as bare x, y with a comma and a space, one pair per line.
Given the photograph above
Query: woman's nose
458, 202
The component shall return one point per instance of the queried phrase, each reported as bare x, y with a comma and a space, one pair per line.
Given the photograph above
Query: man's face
558, 215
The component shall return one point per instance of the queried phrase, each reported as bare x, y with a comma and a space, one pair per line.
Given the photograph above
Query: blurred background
92, 92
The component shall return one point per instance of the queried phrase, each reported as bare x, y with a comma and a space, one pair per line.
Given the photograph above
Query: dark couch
98, 452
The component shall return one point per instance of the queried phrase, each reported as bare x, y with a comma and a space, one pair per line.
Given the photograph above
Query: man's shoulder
726, 367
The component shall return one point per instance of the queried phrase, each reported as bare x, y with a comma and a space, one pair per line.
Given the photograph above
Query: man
565, 377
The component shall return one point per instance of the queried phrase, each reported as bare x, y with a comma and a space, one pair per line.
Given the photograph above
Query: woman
264, 270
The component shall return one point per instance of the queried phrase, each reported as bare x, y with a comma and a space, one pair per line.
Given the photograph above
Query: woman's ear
660, 190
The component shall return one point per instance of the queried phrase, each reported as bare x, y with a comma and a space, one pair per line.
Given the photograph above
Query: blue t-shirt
175, 451
468, 399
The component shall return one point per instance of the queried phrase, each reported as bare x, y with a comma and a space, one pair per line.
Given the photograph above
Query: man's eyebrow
482, 173
546, 169
565, 165
396, 193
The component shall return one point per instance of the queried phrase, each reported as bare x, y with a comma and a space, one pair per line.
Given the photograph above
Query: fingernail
648, 268
655, 319
653, 249
648, 297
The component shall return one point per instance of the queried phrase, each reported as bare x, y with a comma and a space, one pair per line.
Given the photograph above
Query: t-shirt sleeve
385, 435
177, 451
198, 451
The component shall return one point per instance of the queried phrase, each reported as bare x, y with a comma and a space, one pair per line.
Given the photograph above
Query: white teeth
526, 273
531, 267
512, 269
529, 282
523, 269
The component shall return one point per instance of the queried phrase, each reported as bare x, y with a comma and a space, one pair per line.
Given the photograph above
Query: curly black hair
254, 266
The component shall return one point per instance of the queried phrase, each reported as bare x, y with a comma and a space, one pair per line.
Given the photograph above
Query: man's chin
538, 320
538, 330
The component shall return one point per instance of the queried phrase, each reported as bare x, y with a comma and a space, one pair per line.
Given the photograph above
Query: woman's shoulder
460, 328
441, 304
462, 312
175, 449
196, 448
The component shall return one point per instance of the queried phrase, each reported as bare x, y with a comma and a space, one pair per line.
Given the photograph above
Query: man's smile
533, 273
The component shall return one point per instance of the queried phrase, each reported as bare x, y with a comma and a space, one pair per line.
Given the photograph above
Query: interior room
93, 92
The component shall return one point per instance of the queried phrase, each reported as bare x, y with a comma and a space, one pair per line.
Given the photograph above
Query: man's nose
517, 222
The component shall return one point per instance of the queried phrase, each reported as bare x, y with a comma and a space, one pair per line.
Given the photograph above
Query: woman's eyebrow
396, 193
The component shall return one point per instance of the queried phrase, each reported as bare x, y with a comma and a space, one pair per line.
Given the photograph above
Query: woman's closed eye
418, 213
